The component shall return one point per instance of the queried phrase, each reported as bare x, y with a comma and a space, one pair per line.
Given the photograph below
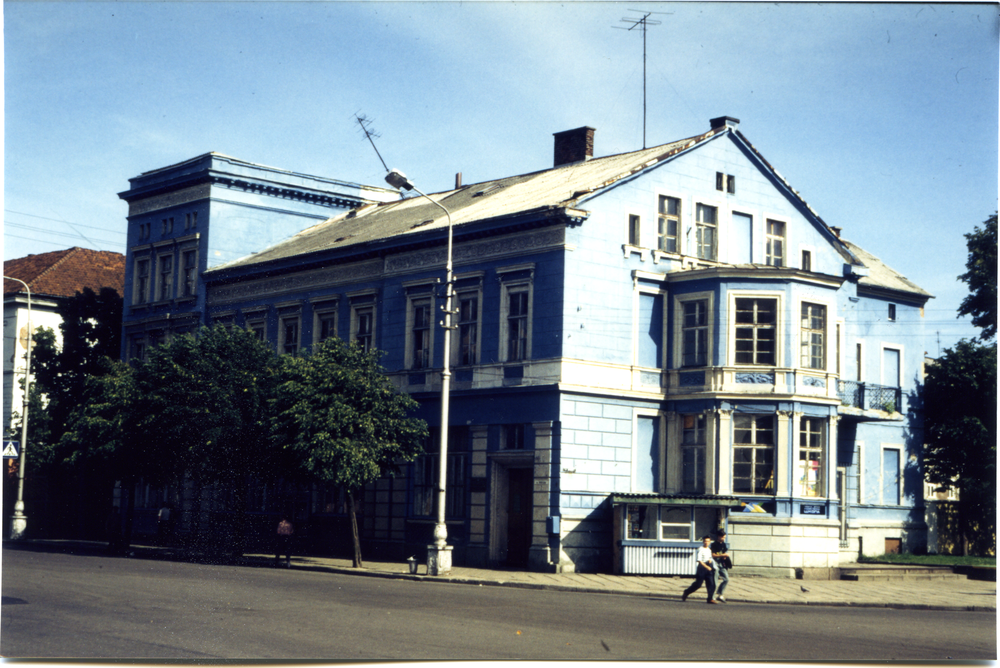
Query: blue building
197, 214
649, 345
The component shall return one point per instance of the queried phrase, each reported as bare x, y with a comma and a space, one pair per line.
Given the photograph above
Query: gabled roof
882, 276
555, 191
66, 272
558, 189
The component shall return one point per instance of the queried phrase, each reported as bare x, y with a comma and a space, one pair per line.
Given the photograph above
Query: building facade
52, 278
197, 214
647, 346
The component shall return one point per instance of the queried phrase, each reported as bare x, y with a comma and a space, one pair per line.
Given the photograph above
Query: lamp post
19, 522
438, 554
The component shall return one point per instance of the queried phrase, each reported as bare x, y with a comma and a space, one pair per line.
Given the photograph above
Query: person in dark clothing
704, 571
284, 534
720, 552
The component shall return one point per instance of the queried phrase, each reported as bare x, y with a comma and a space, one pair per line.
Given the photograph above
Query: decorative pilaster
540, 552
721, 429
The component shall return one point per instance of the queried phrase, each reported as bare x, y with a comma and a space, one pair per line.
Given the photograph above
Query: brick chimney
573, 145
725, 121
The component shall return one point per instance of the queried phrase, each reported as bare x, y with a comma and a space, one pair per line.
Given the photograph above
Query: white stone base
438, 560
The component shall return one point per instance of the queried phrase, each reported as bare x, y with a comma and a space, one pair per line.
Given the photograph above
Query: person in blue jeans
704, 572
720, 552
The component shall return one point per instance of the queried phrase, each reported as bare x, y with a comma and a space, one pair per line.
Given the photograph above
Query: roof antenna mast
642, 24
366, 127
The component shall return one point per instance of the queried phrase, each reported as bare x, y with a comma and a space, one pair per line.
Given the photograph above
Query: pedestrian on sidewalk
283, 545
704, 572
720, 553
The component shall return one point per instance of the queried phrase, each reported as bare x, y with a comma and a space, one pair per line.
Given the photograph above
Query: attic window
725, 182
426, 222
892, 312
488, 189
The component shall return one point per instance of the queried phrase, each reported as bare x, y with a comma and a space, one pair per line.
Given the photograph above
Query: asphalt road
92, 606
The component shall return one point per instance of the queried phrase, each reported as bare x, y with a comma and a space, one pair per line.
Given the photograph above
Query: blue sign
10, 449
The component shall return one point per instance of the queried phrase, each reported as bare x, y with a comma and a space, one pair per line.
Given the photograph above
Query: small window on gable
720, 181
807, 260
892, 312
731, 184
633, 230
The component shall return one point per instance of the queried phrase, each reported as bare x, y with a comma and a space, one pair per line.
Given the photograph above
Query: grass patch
930, 560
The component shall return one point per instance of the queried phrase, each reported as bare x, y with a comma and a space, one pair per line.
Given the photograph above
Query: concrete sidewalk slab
962, 594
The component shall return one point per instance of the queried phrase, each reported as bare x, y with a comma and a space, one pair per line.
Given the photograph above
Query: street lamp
19, 522
438, 554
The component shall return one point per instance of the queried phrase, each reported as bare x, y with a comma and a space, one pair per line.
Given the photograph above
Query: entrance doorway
519, 516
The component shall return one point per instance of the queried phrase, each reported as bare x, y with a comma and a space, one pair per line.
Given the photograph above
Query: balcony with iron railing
869, 397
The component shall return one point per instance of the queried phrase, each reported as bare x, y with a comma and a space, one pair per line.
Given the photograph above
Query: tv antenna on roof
643, 25
366, 127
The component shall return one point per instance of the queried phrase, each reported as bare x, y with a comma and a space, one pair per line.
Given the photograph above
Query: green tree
205, 403
342, 419
981, 303
961, 433
76, 491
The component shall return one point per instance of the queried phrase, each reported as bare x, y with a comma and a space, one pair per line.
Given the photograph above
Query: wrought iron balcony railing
869, 396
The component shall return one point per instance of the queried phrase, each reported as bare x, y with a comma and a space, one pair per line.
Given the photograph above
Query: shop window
810, 467
753, 454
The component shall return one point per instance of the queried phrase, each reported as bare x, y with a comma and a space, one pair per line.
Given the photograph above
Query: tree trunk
354, 532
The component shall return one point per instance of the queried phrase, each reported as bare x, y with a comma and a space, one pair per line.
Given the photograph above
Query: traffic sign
10, 449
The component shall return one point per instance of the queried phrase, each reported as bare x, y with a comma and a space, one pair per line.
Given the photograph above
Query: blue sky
883, 116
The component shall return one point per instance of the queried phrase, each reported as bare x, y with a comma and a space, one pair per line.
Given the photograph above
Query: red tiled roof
66, 272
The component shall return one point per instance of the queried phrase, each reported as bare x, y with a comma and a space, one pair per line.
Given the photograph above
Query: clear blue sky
883, 116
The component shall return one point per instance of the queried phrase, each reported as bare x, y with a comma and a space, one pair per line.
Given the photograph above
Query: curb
626, 592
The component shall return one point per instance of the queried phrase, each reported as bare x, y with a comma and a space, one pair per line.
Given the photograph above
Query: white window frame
284, 320
662, 217
140, 294
656, 291
256, 321
322, 312
824, 427
662, 445
703, 446
769, 256
633, 229
414, 303
801, 333
697, 225
679, 301
184, 269
882, 474
779, 335
160, 274
774, 453
883, 346
456, 353
357, 310
511, 286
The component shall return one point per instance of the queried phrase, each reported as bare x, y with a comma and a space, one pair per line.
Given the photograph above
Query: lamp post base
438, 559
18, 525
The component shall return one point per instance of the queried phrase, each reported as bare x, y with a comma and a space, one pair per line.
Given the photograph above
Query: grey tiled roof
880, 275
558, 188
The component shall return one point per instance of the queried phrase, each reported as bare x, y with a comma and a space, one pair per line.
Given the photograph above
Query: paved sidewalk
959, 594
